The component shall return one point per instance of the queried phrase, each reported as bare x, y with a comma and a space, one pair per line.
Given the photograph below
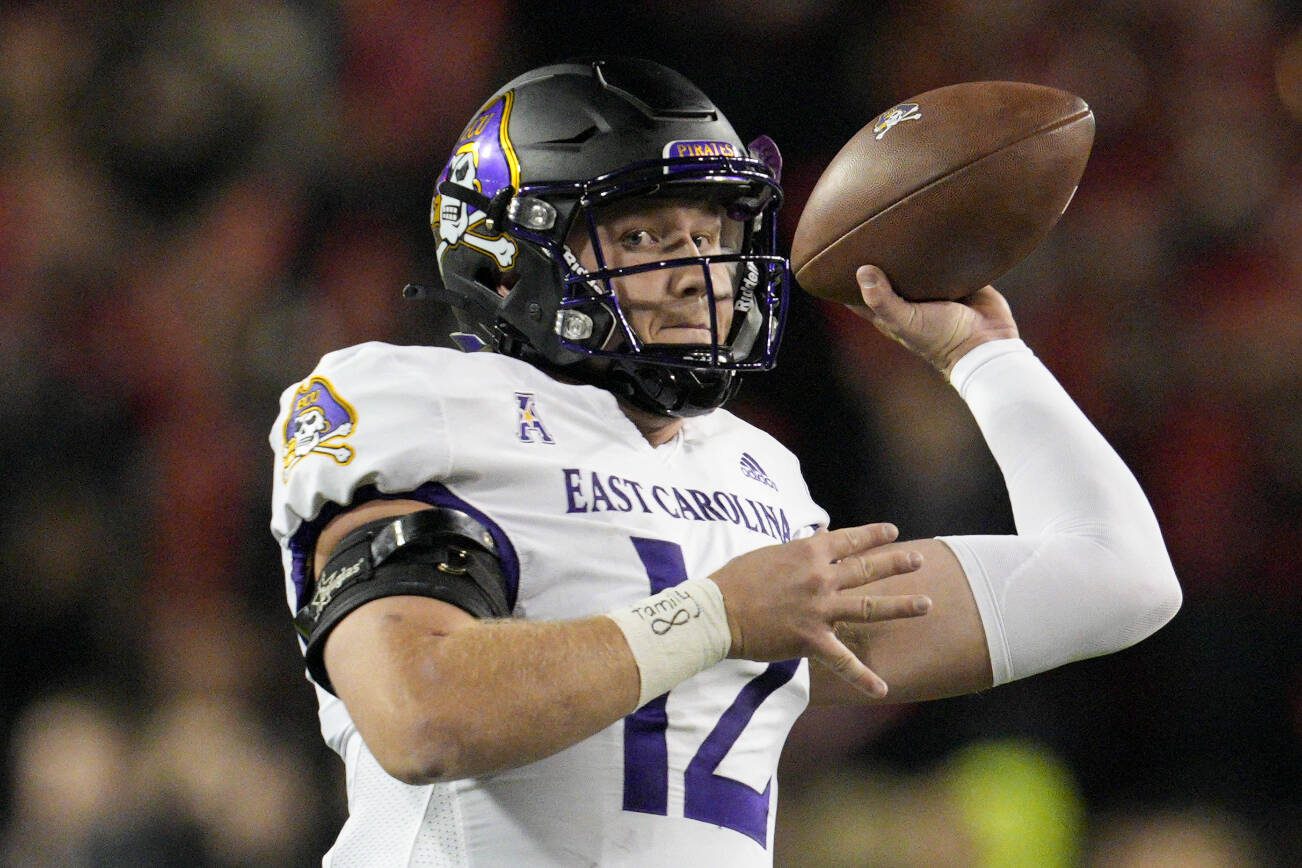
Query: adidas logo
750, 468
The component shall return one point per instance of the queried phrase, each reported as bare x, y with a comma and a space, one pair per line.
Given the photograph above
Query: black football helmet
540, 160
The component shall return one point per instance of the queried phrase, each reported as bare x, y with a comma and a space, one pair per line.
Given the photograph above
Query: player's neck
658, 430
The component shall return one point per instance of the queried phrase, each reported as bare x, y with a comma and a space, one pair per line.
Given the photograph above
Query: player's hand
942, 332
784, 601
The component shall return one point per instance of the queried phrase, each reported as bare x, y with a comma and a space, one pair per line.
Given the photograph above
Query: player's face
667, 306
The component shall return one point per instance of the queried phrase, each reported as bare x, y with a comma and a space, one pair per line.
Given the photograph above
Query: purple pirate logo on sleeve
484, 161
318, 423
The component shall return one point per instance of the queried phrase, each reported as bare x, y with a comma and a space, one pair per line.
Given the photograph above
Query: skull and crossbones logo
317, 424
454, 215
904, 112
311, 428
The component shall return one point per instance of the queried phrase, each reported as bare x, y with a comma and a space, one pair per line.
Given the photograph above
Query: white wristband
675, 634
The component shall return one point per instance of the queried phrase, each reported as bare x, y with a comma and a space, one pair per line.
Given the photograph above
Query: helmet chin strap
672, 392
661, 390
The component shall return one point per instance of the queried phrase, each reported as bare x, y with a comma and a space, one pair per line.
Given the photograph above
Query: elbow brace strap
440, 553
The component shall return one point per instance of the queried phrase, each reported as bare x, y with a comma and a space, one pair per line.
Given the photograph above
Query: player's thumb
877, 293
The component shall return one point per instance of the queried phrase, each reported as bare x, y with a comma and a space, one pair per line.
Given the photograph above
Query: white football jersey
588, 516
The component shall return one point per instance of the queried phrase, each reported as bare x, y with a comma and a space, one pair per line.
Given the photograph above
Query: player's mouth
685, 333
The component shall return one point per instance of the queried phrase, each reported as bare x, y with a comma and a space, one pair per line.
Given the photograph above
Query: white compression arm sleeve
1088, 573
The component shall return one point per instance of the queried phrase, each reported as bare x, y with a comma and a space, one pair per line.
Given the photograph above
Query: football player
560, 608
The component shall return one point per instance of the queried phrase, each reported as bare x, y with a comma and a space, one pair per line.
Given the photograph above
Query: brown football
945, 192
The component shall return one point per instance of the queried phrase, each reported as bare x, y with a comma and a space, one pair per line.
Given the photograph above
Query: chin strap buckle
495, 209
495, 213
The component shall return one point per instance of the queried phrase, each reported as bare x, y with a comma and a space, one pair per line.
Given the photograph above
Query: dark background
199, 199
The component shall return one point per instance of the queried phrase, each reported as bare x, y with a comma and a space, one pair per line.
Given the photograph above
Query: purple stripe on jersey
646, 758
723, 801
646, 750
302, 544
663, 561
302, 547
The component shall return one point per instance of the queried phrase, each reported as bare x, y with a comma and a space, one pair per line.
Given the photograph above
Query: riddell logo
751, 468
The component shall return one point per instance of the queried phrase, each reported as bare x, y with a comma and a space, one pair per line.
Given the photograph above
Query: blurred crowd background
198, 199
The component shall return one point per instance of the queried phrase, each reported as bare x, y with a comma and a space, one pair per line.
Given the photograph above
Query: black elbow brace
440, 553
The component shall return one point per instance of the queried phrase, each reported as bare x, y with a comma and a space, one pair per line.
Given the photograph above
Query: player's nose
686, 281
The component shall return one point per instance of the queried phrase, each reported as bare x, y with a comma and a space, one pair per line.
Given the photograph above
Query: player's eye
635, 238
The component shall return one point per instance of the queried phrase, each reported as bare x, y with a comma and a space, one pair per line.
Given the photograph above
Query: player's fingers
846, 541
833, 654
877, 293
870, 608
863, 567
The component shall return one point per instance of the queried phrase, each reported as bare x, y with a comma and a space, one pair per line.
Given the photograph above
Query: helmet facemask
522, 212
736, 284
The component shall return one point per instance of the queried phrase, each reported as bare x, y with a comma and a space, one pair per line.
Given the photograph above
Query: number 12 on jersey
708, 797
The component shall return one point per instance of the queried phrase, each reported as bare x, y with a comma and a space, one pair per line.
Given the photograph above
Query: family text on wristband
675, 634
